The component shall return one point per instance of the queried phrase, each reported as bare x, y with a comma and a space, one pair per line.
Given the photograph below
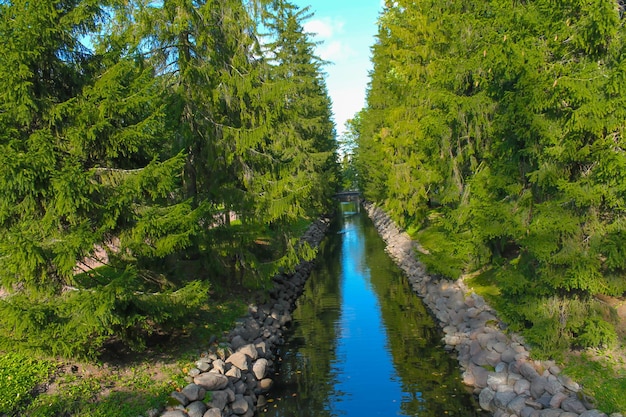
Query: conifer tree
146, 143
500, 118
81, 164
303, 129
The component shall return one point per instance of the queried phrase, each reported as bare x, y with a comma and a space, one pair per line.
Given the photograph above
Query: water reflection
362, 343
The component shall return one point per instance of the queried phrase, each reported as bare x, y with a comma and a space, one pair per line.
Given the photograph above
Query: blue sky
346, 29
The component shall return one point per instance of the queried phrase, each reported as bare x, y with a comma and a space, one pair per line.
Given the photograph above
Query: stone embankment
497, 365
231, 377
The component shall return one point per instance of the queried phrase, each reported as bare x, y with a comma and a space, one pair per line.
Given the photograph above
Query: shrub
597, 333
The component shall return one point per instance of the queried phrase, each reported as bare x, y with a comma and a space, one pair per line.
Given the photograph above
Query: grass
125, 385
19, 377
602, 373
122, 392
603, 377
483, 284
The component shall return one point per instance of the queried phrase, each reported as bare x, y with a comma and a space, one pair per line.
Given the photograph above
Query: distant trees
496, 129
144, 129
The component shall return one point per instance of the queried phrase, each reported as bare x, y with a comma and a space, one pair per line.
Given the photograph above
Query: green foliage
443, 255
597, 333
506, 123
79, 322
144, 129
19, 376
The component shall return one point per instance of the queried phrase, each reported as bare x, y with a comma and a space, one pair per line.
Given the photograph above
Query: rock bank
497, 365
231, 377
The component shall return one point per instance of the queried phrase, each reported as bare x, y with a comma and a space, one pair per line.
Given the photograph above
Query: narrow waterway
362, 343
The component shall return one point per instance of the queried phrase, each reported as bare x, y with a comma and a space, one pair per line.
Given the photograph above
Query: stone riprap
231, 377
496, 365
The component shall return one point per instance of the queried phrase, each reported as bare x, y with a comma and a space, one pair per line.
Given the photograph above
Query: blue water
362, 344
364, 357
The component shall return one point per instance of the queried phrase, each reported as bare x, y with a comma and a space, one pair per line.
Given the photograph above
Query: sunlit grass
603, 377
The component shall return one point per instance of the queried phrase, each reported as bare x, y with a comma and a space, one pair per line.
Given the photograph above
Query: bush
80, 322
597, 333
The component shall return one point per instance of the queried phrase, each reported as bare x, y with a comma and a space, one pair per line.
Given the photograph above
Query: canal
362, 343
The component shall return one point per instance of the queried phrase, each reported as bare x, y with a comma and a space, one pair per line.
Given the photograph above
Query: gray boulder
196, 409
211, 381
260, 368
239, 359
194, 392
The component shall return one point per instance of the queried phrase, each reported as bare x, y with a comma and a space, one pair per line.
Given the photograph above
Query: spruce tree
501, 120
81, 162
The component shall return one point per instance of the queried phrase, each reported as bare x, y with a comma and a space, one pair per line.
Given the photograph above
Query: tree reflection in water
362, 343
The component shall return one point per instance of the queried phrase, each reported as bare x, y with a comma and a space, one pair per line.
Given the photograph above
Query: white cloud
330, 33
334, 51
324, 28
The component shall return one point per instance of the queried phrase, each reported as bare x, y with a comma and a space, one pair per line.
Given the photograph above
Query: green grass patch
19, 376
126, 386
117, 394
603, 378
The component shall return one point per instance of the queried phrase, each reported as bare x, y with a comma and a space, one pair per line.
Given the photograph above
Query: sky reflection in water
362, 344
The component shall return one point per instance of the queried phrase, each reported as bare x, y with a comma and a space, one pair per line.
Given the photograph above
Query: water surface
362, 343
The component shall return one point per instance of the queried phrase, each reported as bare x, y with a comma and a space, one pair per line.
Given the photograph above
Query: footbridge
350, 197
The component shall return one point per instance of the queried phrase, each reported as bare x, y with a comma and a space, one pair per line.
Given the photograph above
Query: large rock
240, 405
260, 368
522, 386
203, 366
250, 351
180, 397
219, 399
237, 342
527, 412
495, 380
265, 384
219, 366
593, 413
557, 400
538, 387
196, 409
502, 399
234, 373
262, 349
239, 359
480, 375
211, 381
194, 392
573, 405
485, 399
508, 355
213, 412
528, 371
553, 386
174, 413
516, 405
550, 412
569, 383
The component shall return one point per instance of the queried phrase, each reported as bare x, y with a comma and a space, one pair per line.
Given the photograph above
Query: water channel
362, 343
